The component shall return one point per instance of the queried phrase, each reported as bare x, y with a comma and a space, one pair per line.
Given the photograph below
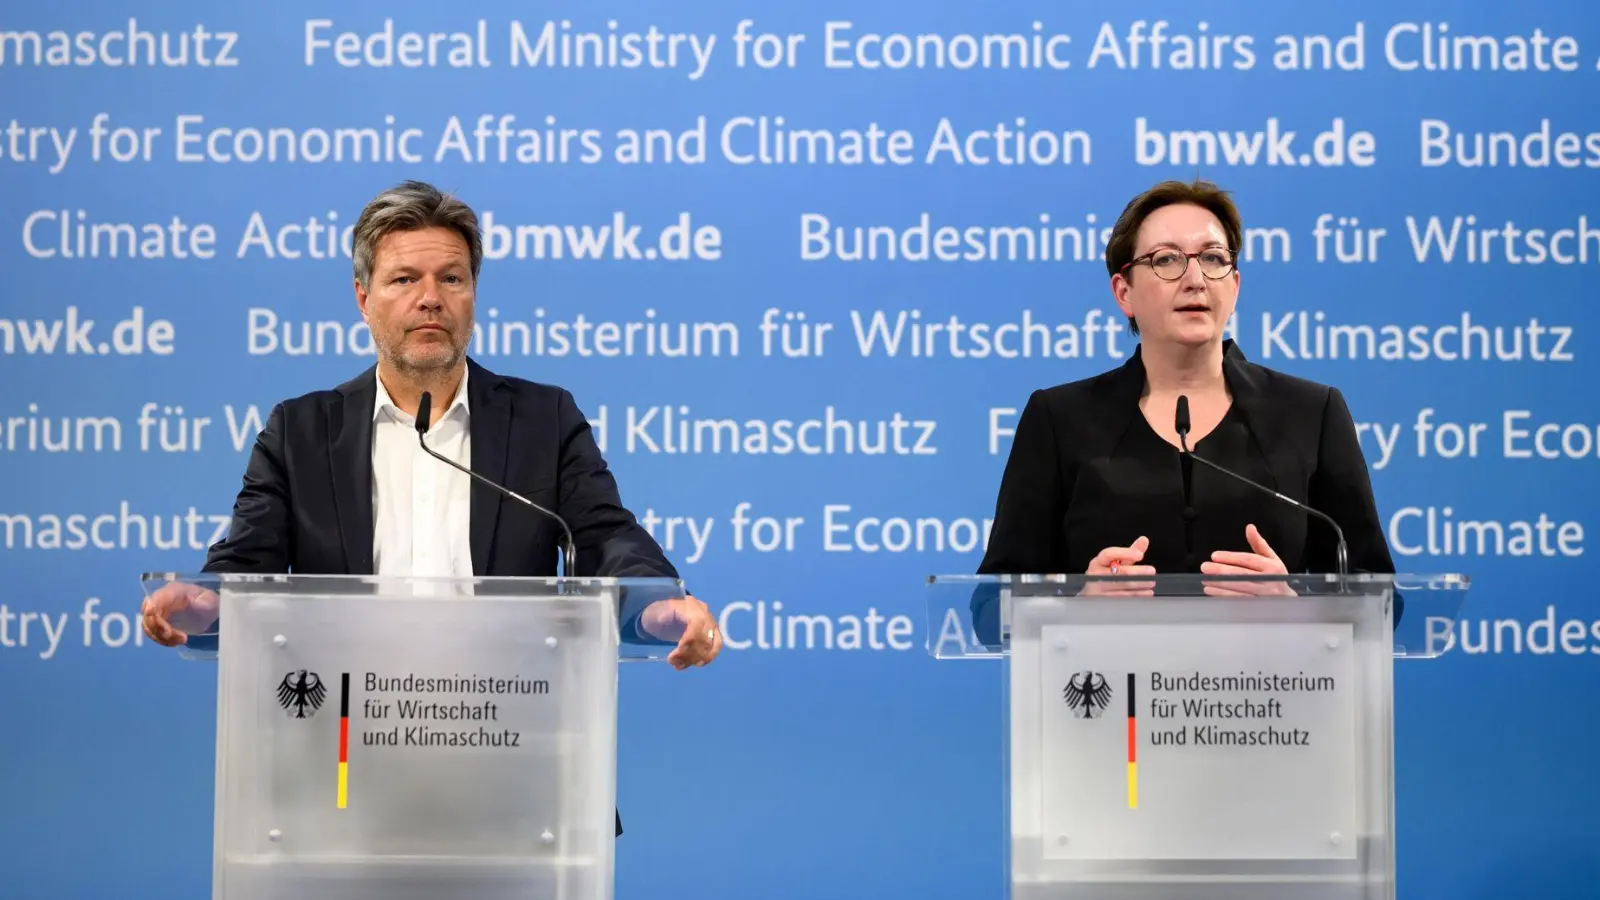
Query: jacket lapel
491, 436
1117, 400
350, 460
1248, 384
1112, 405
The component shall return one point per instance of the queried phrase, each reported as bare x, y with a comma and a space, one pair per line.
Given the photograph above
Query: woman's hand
1263, 561
1121, 561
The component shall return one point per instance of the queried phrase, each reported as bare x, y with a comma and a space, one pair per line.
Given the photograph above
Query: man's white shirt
421, 508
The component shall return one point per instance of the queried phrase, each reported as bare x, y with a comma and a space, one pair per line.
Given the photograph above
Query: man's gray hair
409, 206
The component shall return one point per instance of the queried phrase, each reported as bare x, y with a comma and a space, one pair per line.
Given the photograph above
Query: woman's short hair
1120, 249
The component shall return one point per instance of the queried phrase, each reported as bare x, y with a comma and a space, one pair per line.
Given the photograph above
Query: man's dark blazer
306, 503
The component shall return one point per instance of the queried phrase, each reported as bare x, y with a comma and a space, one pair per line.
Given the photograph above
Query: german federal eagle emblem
1088, 691
301, 694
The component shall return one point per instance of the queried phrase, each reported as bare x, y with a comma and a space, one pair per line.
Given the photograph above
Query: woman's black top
1086, 472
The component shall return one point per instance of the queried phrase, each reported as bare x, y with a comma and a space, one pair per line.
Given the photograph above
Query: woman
1096, 482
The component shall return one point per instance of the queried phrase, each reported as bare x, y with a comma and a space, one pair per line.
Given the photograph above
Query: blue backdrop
836, 162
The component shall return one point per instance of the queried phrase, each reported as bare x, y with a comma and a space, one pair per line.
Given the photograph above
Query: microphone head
424, 405
1182, 419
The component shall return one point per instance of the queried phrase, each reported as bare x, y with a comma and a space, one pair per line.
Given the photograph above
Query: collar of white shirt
384, 403
422, 508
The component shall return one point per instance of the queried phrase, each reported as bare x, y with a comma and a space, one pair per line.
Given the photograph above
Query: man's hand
175, 610
690, 622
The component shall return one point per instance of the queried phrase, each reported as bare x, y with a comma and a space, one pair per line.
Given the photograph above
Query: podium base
1364, 877
1275, 889
414, 878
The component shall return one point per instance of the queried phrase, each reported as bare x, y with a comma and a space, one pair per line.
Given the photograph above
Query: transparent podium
1189, 737
411, 738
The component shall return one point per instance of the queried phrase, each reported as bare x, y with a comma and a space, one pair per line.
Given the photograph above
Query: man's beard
430, 365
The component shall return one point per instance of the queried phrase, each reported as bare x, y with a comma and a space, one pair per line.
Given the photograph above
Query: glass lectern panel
1195, 737
405, 739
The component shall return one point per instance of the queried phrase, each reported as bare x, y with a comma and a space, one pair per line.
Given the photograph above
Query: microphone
1181, 422
569, 551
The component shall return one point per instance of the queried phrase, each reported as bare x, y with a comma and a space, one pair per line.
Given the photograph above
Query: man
338, 484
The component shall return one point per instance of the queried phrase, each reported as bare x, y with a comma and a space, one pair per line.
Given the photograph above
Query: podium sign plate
1198, 741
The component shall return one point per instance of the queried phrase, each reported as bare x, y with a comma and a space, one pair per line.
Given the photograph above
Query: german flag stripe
344, 739
1133, 749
